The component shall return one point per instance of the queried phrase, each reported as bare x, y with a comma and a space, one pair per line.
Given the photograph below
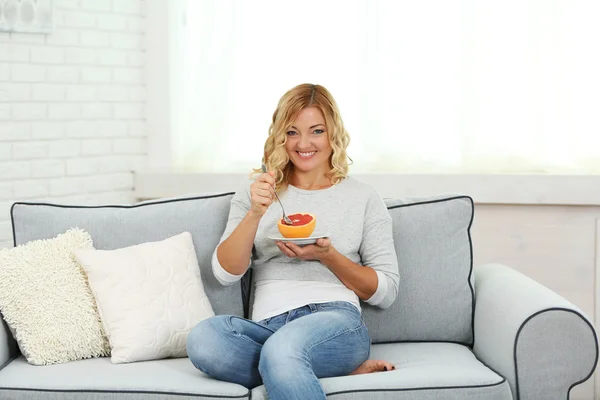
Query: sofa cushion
424, 371
117, 226
435, 297
47, 302
171, 379
149, 296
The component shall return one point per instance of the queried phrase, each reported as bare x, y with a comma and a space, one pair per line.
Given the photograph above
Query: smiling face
307, 141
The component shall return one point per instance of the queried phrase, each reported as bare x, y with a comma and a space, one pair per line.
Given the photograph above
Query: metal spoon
285, 217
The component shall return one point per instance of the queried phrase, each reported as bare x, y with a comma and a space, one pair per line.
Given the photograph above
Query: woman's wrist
329, 258
253, 216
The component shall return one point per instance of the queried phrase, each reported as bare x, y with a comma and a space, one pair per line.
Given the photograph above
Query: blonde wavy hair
291, 103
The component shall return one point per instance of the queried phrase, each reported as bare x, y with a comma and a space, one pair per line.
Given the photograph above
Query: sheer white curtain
427, 86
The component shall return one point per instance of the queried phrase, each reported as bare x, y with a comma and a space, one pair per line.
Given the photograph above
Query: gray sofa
455, 332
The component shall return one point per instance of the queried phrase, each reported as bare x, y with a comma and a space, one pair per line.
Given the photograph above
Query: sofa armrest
542, 344
8, 345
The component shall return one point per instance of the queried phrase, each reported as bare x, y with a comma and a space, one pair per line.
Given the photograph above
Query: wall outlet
26, 16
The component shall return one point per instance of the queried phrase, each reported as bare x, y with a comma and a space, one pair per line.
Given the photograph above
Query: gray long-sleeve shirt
351, 213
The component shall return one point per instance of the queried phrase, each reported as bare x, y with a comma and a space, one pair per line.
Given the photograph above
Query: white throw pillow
149, 297
47, 303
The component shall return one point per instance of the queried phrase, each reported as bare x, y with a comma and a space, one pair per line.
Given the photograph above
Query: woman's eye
291, 133
318, 131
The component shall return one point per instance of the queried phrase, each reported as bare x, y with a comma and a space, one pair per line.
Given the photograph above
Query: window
428, 86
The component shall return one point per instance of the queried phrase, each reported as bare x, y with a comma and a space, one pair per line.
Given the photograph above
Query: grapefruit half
302, 227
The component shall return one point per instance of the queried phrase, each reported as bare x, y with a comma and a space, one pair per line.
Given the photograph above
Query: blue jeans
288, 352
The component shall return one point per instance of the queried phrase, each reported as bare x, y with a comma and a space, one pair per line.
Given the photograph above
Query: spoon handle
286, 219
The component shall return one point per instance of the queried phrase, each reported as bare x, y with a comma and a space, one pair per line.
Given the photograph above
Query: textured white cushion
47, 303
149, 297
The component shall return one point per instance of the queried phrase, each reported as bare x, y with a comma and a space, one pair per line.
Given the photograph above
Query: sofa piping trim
10, 359
541, 312
150, 203
424, 341
471, 342
212, 396
419, 389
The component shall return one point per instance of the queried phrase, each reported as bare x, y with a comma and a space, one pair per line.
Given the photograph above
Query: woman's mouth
306, 155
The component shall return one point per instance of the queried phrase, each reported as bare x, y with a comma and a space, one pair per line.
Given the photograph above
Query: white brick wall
72, 108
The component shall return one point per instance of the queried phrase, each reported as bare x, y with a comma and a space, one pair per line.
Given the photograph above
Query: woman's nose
304, 142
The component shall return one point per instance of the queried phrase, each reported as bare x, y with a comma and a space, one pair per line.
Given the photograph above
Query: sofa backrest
435, 259
112, 227
432, 238
436, 300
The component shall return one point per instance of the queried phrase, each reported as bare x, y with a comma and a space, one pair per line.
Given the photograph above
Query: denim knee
279, 358
201, 342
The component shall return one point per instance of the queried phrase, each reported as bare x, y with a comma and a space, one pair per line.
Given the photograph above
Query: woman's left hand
318, 251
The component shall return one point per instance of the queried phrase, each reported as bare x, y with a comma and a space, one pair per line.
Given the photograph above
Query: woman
306, 317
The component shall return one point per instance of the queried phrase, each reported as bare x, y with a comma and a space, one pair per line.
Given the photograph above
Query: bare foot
373, 366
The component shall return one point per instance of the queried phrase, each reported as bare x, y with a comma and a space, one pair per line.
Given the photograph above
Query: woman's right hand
262, 194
